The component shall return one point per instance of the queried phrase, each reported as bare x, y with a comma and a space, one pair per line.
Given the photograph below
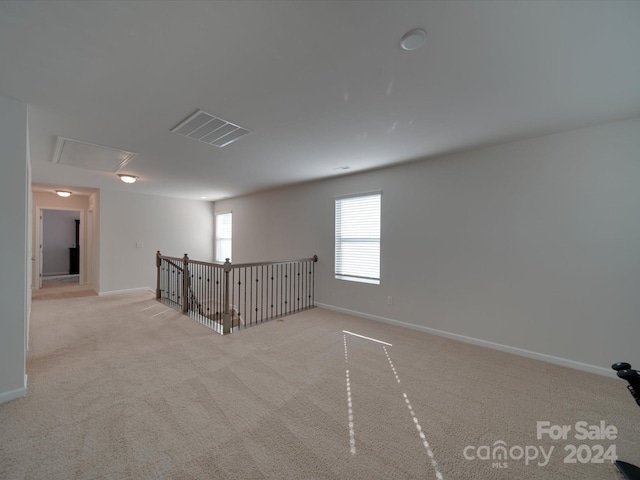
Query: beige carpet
65, 291
121, 387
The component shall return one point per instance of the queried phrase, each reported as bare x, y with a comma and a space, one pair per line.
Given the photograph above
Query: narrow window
223, 236
358, 238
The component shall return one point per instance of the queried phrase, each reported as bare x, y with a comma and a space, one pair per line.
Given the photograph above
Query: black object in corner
629, 471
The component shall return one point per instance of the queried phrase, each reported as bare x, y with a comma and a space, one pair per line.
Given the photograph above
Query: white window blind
358, 238
223, 236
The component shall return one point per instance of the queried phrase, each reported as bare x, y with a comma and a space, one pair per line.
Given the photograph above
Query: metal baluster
215, 306
257, 301
309, 284
212, 295
227, 320
198, 300
170, 292
313, 286
262, 292
304, 285
235, 303
244, 295
286, 288
204, 297
220, 305
258, 286
158, 262
194, 294
310, 288
289, 287
281, 271
299, 282
175, 279
271, 298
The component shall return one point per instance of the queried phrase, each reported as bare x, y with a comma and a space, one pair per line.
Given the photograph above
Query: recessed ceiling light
203, 198
127, 178
63, 193
414, 39
340, 168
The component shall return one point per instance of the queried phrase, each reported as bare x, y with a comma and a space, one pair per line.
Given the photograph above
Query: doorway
60, 248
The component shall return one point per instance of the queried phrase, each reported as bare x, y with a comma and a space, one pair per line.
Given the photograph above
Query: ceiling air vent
209, 129
90, 156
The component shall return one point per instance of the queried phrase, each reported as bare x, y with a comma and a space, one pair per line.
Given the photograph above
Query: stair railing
227, 297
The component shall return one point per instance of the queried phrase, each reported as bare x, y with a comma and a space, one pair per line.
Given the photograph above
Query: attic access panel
79, 154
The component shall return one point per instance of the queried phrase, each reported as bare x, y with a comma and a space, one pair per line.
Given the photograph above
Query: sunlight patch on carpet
352, 435
367, 338
416, 422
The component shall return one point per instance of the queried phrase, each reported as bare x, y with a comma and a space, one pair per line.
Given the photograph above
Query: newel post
226, 318
185, 284
158, 263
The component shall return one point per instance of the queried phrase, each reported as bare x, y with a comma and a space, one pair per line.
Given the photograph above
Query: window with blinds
358, 238
223, 236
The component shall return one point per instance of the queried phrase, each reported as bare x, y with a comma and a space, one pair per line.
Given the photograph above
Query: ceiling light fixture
413, 39
127, 178
63, 193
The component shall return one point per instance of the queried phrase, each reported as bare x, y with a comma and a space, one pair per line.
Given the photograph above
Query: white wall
58, 235
13, 251
532, 245
173, 226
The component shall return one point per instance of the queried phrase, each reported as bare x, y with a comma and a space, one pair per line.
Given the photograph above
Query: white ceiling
320, 84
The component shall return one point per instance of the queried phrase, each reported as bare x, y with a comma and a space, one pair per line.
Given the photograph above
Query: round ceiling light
414, 39
127, 178
63, 193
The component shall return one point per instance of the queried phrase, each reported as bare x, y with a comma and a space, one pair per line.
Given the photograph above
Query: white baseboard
13, 394
585, 367
127, 290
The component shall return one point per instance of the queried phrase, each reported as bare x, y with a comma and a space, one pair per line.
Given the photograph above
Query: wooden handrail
236, 265
259, 264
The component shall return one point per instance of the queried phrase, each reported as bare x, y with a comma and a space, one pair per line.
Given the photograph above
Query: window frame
340, 240
219, 238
